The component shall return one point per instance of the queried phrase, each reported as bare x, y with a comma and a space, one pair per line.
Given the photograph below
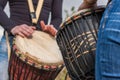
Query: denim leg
3, 60
108, 44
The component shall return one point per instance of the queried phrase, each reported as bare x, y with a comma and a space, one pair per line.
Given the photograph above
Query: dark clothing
19, 13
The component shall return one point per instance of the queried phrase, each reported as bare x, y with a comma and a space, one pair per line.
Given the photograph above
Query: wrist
90, 2
13, 30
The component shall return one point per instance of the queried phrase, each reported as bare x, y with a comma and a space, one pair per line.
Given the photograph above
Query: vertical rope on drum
25, 68
19, 69
80, 50
88, 43
64, 51
47, 74
41, 72
22, 67
27, 75
92, 17
87, 47
71, 50
88, 26
15, 64
33, 65
82, 34
75, 59
55, 73
10, 63
82, 19
65, 39
77, 43
59, 69
64, 56
37, 75
98, 20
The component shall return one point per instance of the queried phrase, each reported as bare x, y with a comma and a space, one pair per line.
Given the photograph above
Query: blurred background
69, 6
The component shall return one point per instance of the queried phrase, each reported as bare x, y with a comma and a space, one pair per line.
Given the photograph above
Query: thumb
43, 26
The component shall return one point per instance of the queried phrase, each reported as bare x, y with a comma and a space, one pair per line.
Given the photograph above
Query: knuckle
24, 24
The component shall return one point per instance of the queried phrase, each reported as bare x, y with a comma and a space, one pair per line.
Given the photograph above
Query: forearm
88, 4
56, 13
90, 1
5, 22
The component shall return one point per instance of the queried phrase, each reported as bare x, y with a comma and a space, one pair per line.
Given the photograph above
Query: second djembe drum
77, 39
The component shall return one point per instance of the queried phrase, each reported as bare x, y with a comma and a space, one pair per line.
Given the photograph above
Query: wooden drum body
77, 41
35, 58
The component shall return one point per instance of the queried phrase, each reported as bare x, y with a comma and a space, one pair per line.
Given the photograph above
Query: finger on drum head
43, 26
33, 27
27, 29
21, 34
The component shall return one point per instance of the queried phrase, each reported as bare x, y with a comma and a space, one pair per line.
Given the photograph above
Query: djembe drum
77, 41
35, 58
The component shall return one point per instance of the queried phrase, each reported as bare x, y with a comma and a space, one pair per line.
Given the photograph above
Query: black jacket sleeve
56, 13
5, 22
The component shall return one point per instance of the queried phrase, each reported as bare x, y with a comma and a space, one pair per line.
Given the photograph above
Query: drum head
41, 47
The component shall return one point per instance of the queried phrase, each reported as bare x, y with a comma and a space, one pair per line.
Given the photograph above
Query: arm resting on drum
5, 22
88, 4
90, 1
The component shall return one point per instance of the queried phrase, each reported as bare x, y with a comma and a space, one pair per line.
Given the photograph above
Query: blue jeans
4, 58
108, 44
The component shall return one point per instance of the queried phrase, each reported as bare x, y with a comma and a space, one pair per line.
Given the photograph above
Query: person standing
20, 23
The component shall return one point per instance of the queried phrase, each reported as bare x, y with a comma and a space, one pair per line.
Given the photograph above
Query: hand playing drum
26, 31
48, 28
88, 4
23, 30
